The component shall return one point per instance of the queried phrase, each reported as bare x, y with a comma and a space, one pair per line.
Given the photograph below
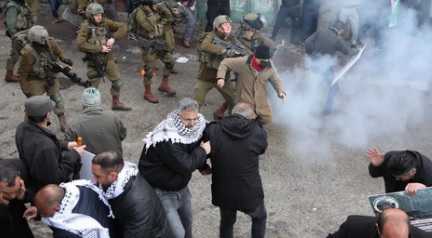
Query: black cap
401, 162
262, 52
38, 106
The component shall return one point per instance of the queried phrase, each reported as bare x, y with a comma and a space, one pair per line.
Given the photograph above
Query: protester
391, 223
253, 74
138, 211
47, 160
99, 130
190, 24
13, 196
172, 152
405, 170
242, 137
289, 9
75, 210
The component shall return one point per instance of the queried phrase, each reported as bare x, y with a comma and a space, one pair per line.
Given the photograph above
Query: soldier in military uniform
34, 6
108, 6
154, 24
36, 75
18, 18
249, 33
96, 38
217, 45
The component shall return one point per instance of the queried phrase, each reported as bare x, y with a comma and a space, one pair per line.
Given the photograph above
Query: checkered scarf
114, 190
172, 129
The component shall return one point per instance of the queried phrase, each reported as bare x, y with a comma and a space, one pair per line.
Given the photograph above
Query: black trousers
214, 9
228, 219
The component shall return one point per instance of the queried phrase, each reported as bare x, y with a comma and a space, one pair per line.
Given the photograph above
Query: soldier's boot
220, 112
148, 95
10, 77
117, 105
63, 123
166, 88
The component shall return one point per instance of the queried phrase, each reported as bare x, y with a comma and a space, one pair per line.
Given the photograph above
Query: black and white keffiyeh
172, 129
78, 224
129, 170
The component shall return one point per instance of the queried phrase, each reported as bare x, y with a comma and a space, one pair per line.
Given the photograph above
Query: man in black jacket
291, 9
401, 170
137, 210
237, 141
12, 200
47, 160
172, 151
389, 224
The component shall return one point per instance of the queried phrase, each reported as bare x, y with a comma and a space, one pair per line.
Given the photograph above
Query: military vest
97, 35
24, 18
40, 67
154, 20
20, 40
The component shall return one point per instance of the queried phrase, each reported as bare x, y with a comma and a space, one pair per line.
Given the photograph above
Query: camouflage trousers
39, 87
13, 55
150, 59
111, 73
202, 88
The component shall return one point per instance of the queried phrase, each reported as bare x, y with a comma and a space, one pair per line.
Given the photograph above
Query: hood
237, 127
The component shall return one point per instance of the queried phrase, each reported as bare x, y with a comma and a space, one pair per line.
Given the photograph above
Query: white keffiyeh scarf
129, 170
78, 224
172, 129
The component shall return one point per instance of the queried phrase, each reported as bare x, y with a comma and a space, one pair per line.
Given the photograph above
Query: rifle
54, 66
235, 45
156, 45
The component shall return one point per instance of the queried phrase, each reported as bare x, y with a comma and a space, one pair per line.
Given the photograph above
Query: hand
282, 95
231, 53
30, 213
206, 147
412, 188
3, 200
80, 149
22, 190
220, 83
376, 158
68, 61
106, 49
110, 42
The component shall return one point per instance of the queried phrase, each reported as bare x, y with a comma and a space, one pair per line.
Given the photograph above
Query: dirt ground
306, 195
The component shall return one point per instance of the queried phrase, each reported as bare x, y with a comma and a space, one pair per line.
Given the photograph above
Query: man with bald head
392, 223
75, 209
242, 137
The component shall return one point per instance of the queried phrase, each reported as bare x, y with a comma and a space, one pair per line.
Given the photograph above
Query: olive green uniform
154, 25
18, 18
35, 77
252, 39
34, 6
90, 39
211, 55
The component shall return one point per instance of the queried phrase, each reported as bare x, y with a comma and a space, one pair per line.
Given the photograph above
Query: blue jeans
178, 208
190, 24
54, 6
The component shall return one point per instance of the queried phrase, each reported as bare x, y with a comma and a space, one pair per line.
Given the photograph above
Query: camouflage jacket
17, 18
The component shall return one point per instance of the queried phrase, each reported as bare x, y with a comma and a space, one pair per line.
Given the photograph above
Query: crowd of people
152, 198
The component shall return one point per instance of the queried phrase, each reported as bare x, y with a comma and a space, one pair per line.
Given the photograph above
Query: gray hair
244, 109
187, 104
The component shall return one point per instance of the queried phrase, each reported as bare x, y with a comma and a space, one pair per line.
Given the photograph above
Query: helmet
254, 20
38, 34
221, 20
94, 9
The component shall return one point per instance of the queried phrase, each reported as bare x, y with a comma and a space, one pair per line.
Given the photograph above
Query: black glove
68, 61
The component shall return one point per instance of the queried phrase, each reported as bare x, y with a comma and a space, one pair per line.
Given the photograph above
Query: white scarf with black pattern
172, 129
117, 188
75, 223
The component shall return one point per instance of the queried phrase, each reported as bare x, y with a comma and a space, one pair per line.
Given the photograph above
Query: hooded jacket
236, 144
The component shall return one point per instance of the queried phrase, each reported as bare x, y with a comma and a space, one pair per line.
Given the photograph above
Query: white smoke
384, 94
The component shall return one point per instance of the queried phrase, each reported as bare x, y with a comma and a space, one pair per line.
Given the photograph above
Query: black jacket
169, 166
138, 211
12, 223
364, 227
423, 174
236, 144
47, 161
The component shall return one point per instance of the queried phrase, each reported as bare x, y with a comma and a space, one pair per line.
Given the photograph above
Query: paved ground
314, 172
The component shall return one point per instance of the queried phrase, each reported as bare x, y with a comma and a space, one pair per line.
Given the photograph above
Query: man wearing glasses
401, 170
172, 152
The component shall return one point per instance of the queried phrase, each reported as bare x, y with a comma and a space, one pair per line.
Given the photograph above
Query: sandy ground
306, 195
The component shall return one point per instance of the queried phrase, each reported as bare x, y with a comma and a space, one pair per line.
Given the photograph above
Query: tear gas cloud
383, 94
